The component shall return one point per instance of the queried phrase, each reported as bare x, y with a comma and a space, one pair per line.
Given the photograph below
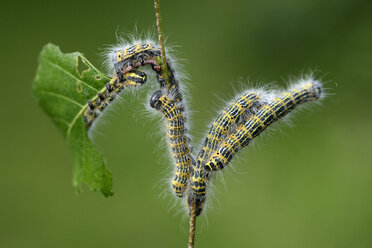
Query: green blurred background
308, 185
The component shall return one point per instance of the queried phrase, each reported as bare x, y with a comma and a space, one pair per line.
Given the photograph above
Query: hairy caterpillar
177, 140
125, 63
257, 123
219, 129
98, 103
143, 53
124, 60
223, 123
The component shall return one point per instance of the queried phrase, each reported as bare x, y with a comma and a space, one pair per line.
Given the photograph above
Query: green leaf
63, 89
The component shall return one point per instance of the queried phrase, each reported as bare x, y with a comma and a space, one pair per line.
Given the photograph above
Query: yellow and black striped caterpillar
257, 123
134, 56
98, 103
144, 53
125, 63
177, 139
218, 131
221, 126
123, 60
252, 113
243, 134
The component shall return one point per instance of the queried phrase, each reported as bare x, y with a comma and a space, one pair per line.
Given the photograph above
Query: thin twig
165, 74
164, 66
192, 226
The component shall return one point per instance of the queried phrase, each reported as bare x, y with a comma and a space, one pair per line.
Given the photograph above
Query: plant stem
165, 74
164, 66
192, 226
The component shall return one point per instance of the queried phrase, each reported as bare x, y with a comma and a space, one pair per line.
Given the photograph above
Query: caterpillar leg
134, 78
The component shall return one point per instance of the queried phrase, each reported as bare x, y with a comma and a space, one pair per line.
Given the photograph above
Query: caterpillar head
155, 99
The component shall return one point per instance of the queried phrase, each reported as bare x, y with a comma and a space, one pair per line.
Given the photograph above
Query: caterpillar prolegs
178, 141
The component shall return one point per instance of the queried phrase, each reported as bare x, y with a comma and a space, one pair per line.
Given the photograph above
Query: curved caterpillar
265, 115
257, 123
177, 139
219, 129
221, 126
98, 103
126, 59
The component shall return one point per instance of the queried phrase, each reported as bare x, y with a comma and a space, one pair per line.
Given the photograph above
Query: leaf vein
62, 97
73, 121
71, 75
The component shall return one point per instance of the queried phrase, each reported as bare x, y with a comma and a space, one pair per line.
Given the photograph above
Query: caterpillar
125, 63
257, 123
223, 123
98, 103
143, 53
177, 139
124, 60
219, 129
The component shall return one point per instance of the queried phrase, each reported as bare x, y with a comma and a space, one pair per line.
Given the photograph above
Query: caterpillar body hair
221, 126
137, 53
99, 102
124, 60
217, 132
268, 114
141, 53
178, 141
